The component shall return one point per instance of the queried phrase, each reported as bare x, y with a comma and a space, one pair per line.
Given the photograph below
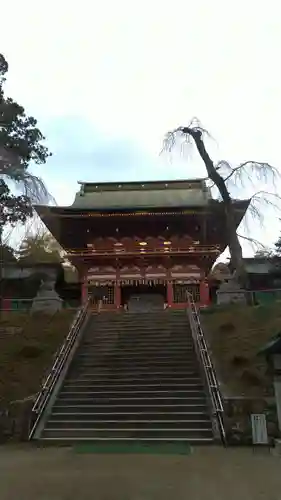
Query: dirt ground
207, 474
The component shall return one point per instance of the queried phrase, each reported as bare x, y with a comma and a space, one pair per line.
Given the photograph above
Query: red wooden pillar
117, 295
204, 293
170, 296
117, 289
83, 272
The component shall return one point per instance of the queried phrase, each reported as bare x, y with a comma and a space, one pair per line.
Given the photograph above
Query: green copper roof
144, 195
260, 265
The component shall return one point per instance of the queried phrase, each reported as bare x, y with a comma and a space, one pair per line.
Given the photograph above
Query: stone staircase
134, 377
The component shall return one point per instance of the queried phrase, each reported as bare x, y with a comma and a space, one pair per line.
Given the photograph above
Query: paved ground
208, 474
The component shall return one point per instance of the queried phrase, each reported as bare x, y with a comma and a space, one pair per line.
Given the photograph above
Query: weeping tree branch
30, 185
259, 202
261, 170
222, 176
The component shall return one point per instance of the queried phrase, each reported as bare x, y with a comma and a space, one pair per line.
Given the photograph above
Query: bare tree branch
256, 244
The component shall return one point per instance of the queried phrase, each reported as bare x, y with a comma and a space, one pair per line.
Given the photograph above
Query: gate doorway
143, 298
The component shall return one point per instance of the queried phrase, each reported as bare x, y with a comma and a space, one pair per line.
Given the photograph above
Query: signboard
259, 428
187, 282
101, 274
152, 272
185, 273
101, 277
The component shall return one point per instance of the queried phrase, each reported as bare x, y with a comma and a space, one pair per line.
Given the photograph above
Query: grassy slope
26, 355
235, 334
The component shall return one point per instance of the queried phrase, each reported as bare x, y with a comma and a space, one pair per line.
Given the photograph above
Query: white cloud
136, 69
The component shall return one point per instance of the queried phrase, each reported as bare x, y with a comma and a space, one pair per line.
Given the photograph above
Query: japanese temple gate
145, 238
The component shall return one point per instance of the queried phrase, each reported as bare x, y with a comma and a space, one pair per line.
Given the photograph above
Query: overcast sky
107, 79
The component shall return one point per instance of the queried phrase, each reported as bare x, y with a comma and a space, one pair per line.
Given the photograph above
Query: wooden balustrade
91, 252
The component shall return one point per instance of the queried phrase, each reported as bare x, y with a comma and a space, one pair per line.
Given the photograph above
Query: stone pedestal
277, 448
47, 300
230, 292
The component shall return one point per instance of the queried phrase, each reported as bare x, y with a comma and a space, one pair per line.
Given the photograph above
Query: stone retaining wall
15, 421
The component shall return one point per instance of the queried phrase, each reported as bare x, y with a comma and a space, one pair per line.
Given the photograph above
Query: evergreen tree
20, 145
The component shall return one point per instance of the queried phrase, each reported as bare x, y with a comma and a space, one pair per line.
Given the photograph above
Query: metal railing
60, 359
211, 381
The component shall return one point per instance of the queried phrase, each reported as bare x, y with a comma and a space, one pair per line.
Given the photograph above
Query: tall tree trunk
235, 248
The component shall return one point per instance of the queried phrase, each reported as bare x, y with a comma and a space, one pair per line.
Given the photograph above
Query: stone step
63, 414
148, 372
142, 325
124, 442
121, 384
124, 340
62, 423
165, 386
125, 361
78, 393
164, 322
142, 322
142, 346
116, 352
111, 433
149, 376
129, 408
134, 365
178, 326
103, 363
118, 357
154, 349
130, 316
70, 400
140, 328
132, 343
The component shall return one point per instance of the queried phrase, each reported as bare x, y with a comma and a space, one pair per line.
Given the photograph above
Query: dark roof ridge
128, 183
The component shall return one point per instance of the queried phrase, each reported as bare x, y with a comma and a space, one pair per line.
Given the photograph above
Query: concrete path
208, 474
